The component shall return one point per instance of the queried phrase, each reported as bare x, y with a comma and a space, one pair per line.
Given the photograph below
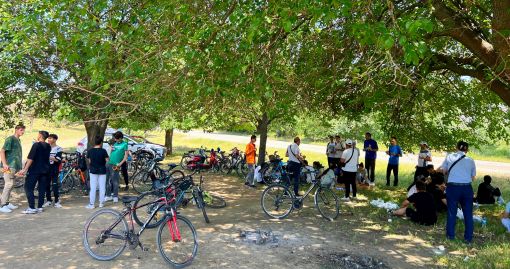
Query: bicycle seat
172, 165
128, 199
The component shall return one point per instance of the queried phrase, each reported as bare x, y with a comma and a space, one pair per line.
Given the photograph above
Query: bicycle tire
140, 218
199, 199
225, 166
184, 161
324, 200
87, 234
214, 201
183, 227
283, 197
141, 182
243, 167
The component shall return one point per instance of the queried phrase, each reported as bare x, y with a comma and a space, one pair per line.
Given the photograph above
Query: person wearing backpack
349, 163
294, 163
461, 171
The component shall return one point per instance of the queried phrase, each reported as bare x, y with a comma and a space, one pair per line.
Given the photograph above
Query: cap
348, 142
424, 143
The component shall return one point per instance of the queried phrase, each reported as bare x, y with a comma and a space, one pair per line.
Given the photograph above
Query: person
97, 158
55, 161
124, 171
505, 220
486, 193
395, 152
361, 175
118, 156
436, 187
461, 171
349, 161
37, 169
339, 149
424, 159
330, 152
294, 163
250, 153
423, 202
10, 157
370, 147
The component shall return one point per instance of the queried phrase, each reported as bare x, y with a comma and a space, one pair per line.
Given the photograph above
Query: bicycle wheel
327, 203
67, 183
243, 168
142, 214
101, 241
178, 252
176, 174
276, 201
213, 201
199, 200
141, 182
184, 161
225, 166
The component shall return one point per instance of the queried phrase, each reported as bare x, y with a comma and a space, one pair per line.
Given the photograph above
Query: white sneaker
11, 206
115, 199
108, 198
345, 199
101, 205
29, 211
48, 203
5, 209
57, 205
39, 210
89, 206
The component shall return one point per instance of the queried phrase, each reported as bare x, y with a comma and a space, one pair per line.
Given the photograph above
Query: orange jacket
250, 153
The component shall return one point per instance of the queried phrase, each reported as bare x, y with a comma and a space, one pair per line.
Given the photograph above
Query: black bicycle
278, 200
106, 233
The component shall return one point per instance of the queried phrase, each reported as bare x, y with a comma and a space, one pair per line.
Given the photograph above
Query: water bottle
484, 222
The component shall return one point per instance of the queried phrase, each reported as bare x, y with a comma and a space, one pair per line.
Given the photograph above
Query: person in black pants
294, 163
370, 147
349, 161
37, 169
124, 171
55, 161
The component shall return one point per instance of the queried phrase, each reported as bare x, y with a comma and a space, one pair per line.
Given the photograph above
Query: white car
134, 143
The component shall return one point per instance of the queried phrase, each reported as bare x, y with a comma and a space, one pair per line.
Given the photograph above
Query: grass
491, 248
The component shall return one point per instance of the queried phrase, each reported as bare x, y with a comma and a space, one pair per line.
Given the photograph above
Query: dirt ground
53, 239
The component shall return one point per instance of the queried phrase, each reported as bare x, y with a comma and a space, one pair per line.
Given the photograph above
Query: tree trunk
95, 128
169, 135
262, 128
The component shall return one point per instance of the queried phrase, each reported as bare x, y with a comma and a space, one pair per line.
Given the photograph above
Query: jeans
294, 170
370, 166
30, 181
94, 181
349, 179
52, 186
8, 185
124, 170
456, 194
394, 168
112, 181
250, 178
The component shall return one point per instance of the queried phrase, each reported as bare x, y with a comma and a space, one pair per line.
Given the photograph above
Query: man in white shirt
294, 163
350, 158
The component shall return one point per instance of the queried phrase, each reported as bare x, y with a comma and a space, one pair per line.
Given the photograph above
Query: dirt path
53, 238
483, 167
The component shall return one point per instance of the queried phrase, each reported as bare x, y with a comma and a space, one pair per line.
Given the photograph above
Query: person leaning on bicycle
294, 163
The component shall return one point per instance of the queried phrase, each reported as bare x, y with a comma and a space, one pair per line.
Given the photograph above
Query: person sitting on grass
423, 202
486, 193
505, 220
436, 186
361, 175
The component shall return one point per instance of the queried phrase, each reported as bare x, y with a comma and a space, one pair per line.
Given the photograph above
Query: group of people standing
43, 166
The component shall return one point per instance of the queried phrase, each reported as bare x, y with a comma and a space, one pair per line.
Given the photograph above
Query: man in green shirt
118, 156
10, 156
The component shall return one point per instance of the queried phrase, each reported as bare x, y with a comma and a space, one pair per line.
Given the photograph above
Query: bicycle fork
172, 227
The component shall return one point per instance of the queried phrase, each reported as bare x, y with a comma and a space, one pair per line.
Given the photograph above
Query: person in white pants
97, 157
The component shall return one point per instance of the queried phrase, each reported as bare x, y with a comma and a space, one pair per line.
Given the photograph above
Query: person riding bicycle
294, 163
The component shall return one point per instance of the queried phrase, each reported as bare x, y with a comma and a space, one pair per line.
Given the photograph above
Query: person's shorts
413, 215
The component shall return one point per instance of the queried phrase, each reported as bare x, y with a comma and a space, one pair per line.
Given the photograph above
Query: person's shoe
371, 184
108, 198
48, 203
115, 199
29, 211
11, 206
126, 188
89, 206
57, 205
5, 209
345, 199
101, 205
246, 183
40, 210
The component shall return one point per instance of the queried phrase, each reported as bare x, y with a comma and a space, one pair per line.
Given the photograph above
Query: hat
424, 143
348, 142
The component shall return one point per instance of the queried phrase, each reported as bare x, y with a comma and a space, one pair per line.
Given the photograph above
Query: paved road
483, 167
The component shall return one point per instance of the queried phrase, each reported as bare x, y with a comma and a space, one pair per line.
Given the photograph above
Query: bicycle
143, 180
278, 201
116, 234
